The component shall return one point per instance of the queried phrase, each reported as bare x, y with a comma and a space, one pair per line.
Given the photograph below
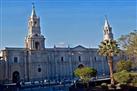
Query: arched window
39, 69
36, 34
62, 59
79, 58
37, 45
95, 58
35, 23
15, 59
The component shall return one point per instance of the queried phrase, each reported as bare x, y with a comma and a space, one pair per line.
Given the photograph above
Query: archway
80, 66
37, 45
15, 77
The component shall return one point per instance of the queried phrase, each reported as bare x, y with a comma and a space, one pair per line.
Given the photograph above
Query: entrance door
15, 77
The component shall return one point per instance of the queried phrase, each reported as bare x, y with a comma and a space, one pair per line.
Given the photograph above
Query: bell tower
34, 40
108, 35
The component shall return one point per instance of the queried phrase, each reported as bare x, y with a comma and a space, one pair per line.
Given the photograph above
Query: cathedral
35, 62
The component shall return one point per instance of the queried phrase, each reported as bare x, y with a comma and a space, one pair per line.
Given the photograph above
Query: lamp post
75, 83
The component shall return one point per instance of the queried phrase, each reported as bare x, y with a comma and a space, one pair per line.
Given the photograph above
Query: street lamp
74, 83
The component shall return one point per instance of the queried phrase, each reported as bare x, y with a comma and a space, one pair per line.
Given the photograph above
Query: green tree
123, 65
85, 73
128, 43
123, 77
109, 48
127, 78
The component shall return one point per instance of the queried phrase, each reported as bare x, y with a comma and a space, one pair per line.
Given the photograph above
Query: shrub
85, 73
134, 80
123, 77
104, 86
123, 65
126, 78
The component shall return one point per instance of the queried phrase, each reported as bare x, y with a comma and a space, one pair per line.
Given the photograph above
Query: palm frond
108, 47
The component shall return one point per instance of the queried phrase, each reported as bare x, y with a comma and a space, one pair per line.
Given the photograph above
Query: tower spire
33, 14
35, 40
108, 35
106, 22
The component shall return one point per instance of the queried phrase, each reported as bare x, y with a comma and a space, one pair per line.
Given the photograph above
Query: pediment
79, 48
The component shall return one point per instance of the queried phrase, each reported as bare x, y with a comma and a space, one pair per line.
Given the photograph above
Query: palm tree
109, 48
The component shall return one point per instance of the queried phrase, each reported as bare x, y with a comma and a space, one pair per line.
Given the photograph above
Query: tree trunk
110, 63
87, 84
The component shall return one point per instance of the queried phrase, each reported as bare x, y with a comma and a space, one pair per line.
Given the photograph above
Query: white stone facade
55, 63
35, 62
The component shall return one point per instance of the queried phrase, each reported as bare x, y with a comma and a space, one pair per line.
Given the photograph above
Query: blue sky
73, 22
